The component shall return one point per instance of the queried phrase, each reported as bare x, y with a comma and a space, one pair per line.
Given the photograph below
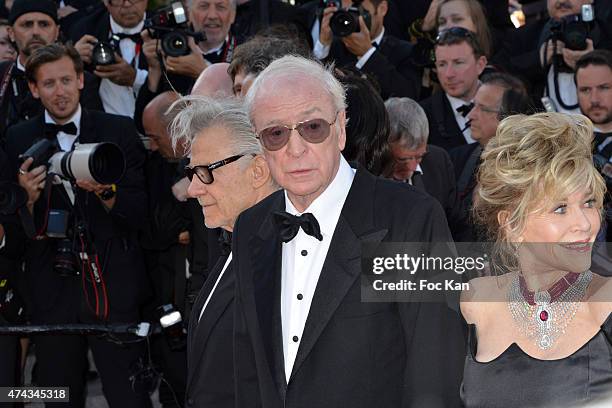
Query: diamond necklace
542, 317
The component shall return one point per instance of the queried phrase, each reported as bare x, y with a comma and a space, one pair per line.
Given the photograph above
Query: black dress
515, 379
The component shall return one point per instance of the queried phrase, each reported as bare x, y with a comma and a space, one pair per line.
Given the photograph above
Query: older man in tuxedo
303, 337
228, 174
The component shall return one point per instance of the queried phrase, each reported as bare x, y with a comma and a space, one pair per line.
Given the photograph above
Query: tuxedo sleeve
130, 204
434, 337
399, 80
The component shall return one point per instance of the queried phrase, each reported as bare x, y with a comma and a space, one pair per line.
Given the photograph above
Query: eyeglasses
485, 109
204, 172
313, 131
453, 32
418, 158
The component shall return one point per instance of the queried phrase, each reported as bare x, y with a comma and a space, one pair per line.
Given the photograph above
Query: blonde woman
540, 326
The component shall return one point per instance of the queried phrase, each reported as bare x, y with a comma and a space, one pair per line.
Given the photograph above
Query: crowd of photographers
96, 223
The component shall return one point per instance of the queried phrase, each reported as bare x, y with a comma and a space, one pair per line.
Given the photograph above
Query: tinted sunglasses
204, 172
453, 32
313, 131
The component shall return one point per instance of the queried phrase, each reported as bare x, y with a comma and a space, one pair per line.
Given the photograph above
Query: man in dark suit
34, 23
82, 259
370, 50
119, 24
426, 167
459, 62
303, 337
228, 174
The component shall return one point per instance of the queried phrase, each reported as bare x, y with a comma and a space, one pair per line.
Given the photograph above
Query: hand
549, 48
85, 47
325, 33
179, 189
120, 72
359, 43
33, 182
183, 238
65, 11
97, 188
429, 21
571, 57
150, 47
190, 65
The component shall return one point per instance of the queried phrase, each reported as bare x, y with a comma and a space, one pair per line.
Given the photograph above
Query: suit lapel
202, 329
342, 264
87, 133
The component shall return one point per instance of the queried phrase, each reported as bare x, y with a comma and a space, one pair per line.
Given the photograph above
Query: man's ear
260, 171
11, 33
481, 63
81, 79
34, 89
383, 8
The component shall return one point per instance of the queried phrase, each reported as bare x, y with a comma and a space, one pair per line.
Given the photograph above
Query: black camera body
345, 21
574, 30
170, 25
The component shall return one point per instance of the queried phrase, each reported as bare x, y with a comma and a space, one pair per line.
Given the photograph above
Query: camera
574, 30
345, 21
66, 262
103, 163
170, 25
172, 326
103, 53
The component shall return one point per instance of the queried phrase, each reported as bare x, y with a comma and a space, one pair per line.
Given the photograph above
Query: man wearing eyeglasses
303, 337
227, 175
119, 24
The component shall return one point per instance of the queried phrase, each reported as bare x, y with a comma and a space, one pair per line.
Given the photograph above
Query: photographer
368, 48
82, 263
594, 85
210, 19
541, 54
124, 70
33, 24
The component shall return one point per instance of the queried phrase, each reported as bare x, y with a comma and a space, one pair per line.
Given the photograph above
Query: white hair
298, 68
408, 123
195, 113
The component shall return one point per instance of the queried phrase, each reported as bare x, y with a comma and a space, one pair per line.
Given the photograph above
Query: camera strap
27, 221
6, 78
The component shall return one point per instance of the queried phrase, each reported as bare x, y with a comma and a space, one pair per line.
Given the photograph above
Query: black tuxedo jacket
443, 128
352, 353
210, 354
57, 299
390, 66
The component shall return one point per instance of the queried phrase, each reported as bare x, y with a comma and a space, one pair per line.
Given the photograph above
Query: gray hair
299, 67
409, 125
195, 113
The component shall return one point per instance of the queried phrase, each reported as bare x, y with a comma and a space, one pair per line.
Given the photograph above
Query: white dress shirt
417, 170
459, 118
65, 142
229, 259
567, 89
119, 99
303, 259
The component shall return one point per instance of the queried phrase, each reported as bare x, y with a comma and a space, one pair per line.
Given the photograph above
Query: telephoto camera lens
175, 44
103, 54
344, 23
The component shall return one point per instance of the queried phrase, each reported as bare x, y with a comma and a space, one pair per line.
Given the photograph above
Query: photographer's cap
21, 7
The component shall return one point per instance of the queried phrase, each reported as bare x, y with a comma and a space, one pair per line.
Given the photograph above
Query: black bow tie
288, 225
52, 129
134, 37
465, 109
225, 242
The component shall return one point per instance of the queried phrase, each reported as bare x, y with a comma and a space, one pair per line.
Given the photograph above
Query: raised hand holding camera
33, 182
85, 47
360, 42
120, 72
191, 64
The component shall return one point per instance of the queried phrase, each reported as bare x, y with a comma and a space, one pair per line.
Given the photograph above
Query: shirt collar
116, 28
217, 50
379, 38
455, 103
76, 119
327, 207
20, 65
419, 169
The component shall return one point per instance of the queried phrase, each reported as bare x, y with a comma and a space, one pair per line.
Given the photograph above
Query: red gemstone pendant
543, 315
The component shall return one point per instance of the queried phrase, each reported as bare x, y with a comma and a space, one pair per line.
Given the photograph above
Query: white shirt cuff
141, 78
320, 51
365, 57
3, 241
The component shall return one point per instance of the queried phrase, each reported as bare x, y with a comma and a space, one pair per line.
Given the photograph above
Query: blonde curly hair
531, 162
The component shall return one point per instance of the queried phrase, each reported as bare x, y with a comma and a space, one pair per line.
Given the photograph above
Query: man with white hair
303, 337
426, 167
228, 174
